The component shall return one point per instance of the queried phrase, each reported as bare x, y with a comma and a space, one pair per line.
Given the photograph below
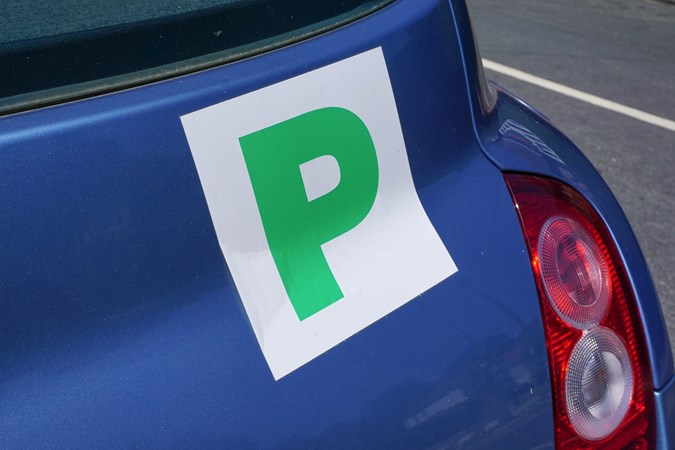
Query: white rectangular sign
311, 196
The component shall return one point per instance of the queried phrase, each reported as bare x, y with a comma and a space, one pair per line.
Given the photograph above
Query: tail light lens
573, 271
602, 389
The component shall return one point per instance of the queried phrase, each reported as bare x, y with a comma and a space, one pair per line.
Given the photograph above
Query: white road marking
580, 95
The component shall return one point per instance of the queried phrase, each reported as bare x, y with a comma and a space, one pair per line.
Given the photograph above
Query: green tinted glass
55, 51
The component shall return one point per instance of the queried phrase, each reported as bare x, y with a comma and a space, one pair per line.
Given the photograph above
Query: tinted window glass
53, 51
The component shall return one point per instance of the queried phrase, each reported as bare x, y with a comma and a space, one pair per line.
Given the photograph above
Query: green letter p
296, 227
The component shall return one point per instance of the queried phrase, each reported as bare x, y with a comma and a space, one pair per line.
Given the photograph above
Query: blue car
291, 223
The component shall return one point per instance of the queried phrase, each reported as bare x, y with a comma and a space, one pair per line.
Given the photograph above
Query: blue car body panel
543, 150
120, 323
569, 165
546, 151
665, 412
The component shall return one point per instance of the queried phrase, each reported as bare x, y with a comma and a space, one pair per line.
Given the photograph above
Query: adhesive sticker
311, 196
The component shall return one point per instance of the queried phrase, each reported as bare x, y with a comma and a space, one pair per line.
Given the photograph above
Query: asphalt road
623, 51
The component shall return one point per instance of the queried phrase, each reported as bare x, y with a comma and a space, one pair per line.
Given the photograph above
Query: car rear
129, 319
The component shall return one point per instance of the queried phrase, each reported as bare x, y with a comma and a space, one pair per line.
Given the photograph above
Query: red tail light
602, 389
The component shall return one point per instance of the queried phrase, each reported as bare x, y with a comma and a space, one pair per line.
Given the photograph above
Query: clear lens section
599, 384
574, 272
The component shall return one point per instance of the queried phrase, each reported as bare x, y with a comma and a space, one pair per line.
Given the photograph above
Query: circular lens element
574, 272
599, 384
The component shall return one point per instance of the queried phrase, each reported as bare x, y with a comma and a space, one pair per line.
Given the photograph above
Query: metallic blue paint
665, 416
569, 165
120, 324
562, 160
572, 167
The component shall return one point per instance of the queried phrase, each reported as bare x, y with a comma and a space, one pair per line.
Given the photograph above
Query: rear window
67, 49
